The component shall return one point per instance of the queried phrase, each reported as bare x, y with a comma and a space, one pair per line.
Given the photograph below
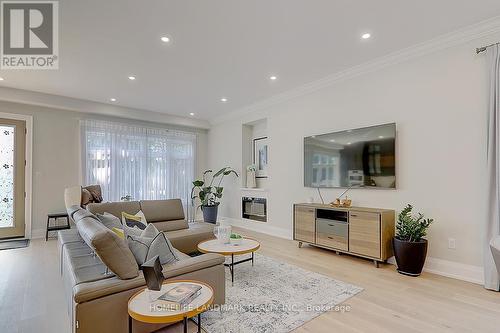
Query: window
325, 169
145, 163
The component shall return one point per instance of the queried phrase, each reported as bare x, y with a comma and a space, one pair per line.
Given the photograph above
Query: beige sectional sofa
97, 297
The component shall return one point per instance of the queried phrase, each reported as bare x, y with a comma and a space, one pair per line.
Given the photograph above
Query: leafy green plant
411, 228
235, 236
206, 192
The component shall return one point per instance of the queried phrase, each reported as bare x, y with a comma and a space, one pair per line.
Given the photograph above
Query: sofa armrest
88, 291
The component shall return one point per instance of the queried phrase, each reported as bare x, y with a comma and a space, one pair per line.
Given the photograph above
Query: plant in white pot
209, 194
251, 169
410, 247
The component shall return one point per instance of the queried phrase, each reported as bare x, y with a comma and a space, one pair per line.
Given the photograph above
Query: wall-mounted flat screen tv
363, 157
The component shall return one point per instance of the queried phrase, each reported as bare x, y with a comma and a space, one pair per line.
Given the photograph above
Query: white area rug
274, 296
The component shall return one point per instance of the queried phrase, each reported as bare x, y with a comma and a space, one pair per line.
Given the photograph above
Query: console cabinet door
364, 233
305, 221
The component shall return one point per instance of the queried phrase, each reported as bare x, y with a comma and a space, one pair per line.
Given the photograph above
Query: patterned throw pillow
151, 243
86, 197
97, 197
134, 221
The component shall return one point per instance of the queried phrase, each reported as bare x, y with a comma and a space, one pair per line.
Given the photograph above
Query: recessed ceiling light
273, 77
191, 114
349, 131
165, 39
1, 78
349, 143
112, 99
131, 78
332, 140
366, 35
313, 136
381, 137
223, 99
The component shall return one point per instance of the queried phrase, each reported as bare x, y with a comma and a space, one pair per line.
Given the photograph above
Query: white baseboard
37, 233
259, 227
452, 269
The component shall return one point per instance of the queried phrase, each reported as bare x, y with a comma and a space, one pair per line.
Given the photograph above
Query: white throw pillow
150, 243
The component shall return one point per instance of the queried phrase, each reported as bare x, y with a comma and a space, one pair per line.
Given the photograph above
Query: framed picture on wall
260, 156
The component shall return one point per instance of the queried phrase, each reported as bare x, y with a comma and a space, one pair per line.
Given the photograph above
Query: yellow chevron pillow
138, 220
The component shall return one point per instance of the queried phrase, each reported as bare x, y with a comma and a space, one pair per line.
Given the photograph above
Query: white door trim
29, 168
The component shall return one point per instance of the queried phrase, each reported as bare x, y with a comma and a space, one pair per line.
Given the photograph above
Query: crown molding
79, 105
458, 37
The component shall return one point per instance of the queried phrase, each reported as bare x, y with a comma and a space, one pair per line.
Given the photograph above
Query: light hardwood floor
32, 297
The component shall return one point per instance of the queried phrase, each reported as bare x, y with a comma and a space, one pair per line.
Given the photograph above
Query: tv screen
363, 157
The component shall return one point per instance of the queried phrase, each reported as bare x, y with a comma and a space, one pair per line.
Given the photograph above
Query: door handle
354, 215
330, 237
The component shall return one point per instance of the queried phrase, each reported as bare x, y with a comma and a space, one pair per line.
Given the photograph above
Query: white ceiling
228, 48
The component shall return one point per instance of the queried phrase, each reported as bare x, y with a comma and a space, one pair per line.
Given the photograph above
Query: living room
268, 159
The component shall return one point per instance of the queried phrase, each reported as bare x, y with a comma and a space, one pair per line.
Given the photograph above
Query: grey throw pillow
109, 220
150, 243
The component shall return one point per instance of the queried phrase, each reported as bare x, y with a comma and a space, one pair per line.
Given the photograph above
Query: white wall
56, 155
439, 102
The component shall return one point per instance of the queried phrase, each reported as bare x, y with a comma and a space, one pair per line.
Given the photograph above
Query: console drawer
332, 234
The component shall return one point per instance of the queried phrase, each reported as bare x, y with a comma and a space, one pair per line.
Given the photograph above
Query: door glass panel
6, 176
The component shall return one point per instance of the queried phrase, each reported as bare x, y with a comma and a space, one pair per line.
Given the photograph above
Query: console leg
300, 245
375, 262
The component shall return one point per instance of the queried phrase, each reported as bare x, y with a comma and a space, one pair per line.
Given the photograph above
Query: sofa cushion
171, 225
115, 254
186, 240
85, 266
162, 210
110, 248
115, 208
151, 243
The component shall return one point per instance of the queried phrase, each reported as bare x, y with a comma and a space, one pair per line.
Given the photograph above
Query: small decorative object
260, 156
343, 203
410, 248
210, 195
346, 202
335, 203
236, 239
251, 169
127, 197
153, 273
222, 233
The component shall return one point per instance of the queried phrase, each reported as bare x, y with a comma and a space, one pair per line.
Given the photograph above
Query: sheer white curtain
143, 162
491, 276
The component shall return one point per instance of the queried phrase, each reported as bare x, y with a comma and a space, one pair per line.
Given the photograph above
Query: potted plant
410, 248
235, 239
208, 194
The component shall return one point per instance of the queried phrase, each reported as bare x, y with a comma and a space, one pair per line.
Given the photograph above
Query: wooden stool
56, 227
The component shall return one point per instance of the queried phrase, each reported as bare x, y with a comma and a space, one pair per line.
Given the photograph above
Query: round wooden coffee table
142, 309
248, 245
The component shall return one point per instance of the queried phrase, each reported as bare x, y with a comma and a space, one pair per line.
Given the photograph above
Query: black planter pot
210, 213
410, 256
